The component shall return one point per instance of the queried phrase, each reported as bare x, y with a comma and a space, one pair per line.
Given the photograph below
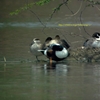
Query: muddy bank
84, 55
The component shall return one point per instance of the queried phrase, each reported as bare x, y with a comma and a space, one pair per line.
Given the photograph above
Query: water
22, 78
36, 82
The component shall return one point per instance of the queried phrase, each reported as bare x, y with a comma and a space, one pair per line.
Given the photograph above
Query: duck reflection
59, 67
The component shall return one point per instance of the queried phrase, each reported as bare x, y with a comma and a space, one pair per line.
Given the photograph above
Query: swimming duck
93, 42
55, 49
35, 46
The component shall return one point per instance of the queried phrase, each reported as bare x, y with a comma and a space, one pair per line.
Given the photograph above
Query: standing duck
55, 49
35, 46
93, 42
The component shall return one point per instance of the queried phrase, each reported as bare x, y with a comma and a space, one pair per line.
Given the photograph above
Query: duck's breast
62, 54
96, 43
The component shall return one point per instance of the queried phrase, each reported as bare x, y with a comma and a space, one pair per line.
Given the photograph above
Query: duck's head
36, 40
96, 35
56, 47
52, 48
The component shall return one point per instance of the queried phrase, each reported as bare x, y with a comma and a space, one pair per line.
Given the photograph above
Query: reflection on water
48, 24
38, 82
59, 67
28, 24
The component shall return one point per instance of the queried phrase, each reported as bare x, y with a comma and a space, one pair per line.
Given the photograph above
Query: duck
55, 49
93, 42
35, 46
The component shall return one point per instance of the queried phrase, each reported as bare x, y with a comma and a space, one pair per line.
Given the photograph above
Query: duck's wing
31, 43
89, 42
85, 43
65, 44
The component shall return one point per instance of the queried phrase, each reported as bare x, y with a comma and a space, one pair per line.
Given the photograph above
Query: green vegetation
29, 5
43, 2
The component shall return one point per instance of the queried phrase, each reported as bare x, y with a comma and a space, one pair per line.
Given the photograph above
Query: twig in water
4, 59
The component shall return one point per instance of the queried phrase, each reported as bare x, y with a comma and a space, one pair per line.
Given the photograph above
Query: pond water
63, 81
22, 77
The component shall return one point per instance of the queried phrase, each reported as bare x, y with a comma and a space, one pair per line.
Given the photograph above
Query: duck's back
65, 44
89, 42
